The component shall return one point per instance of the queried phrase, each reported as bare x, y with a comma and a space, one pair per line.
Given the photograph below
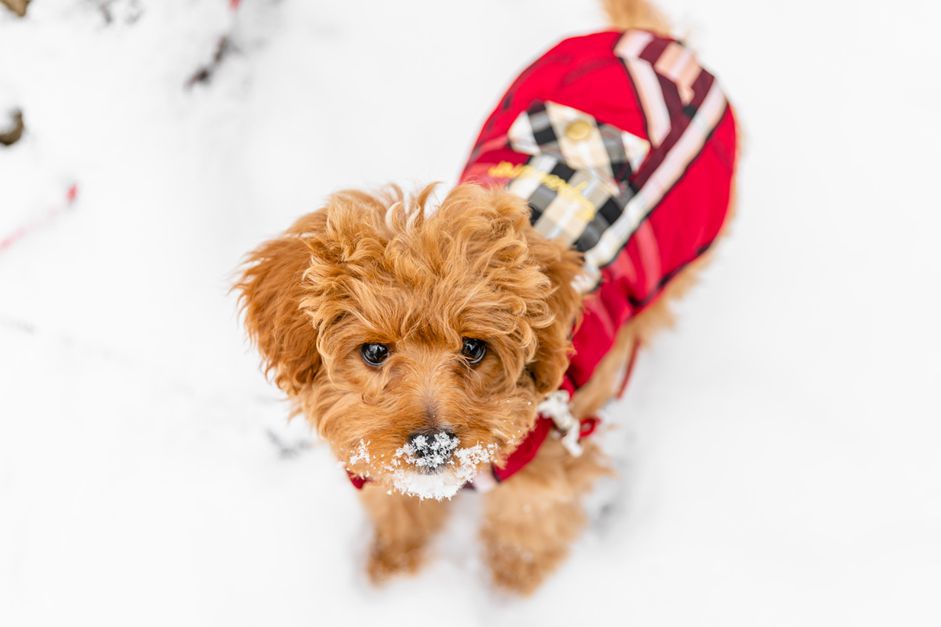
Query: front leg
403, 525
532, 518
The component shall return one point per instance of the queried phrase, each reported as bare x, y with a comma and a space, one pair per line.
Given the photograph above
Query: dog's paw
520, 571
388, 560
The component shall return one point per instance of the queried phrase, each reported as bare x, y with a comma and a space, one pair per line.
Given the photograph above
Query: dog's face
418, 345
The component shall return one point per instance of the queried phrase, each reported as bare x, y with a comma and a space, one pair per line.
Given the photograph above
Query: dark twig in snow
130, 10
287, 450
11, 130
204, 74
225, 46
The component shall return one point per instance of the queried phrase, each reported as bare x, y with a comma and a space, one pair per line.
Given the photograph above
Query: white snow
781, 462
567, 428
361, 454
423, 452
457, 466
438, 487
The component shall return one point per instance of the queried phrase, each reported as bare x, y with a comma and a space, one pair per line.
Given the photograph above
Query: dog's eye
474, 350
374, 354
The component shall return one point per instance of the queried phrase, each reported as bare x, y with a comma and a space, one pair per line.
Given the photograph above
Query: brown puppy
419, 340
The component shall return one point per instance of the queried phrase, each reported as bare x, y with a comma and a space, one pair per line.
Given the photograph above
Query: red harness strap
528, 448
357, 481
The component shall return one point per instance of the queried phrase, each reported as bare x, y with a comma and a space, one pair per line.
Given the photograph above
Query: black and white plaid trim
579, 140
576, 206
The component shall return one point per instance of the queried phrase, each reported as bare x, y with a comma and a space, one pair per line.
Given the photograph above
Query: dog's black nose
430, 450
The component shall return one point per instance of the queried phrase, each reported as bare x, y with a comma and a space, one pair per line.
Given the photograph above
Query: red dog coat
624, 147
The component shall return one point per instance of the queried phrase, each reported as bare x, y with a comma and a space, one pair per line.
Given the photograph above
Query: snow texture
361, 454
778, 450
556, 406
428, 453
456, 466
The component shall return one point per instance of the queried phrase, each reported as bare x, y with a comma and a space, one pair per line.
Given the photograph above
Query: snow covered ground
781, 461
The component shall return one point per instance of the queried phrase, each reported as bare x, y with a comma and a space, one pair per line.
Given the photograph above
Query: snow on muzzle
435, 466
429, 451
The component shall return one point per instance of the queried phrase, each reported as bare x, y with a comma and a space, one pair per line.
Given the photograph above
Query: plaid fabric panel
682, 104
576, 206
669, 81
576, 181
591, 184
578, 139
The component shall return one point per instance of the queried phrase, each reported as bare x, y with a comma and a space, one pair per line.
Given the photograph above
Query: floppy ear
561, 264
271, 294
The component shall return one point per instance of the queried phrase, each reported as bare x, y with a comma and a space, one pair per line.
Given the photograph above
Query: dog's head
418, 343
